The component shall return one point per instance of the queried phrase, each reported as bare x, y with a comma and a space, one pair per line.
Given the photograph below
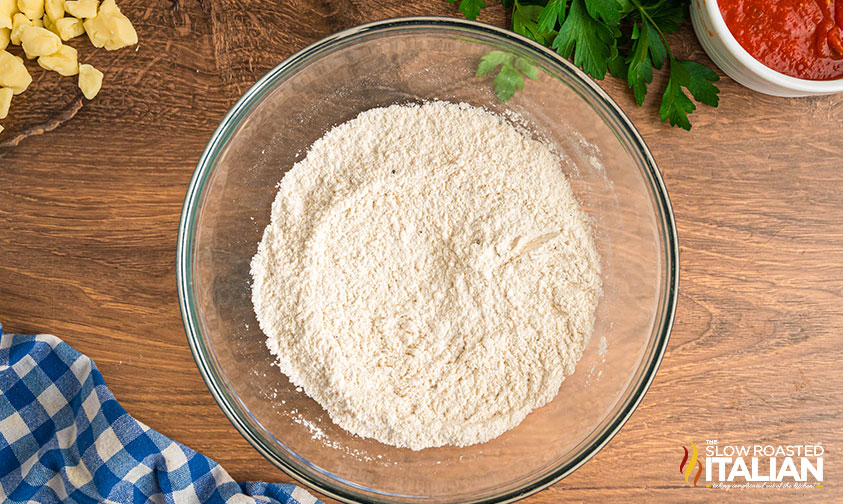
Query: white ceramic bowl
732, 58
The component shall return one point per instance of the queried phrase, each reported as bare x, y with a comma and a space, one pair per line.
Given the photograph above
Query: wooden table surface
90, 194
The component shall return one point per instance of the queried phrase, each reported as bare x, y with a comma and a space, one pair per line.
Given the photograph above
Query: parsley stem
654, 6
646, 16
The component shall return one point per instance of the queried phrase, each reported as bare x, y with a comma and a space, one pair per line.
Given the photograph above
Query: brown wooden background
90, 194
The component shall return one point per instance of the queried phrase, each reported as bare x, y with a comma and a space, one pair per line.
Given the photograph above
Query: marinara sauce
800, 38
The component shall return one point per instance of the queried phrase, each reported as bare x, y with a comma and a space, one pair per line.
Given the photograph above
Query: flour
427, 276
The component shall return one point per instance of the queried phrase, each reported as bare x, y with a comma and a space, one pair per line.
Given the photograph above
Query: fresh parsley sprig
623, 37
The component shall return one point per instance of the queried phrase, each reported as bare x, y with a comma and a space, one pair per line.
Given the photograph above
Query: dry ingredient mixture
427, 276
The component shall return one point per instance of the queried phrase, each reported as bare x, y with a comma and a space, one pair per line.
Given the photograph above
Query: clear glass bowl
413, 60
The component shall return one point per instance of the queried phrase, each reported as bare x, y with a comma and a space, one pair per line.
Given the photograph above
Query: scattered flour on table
427, 276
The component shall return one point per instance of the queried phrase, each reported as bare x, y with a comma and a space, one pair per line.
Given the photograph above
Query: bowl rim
184, 274
721, 30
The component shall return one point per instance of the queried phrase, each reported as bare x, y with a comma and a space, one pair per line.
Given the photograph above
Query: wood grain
90, 194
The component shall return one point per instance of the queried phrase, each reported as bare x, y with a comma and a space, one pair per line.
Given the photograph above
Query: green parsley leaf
553, 11
698, 80
667, 15
470, 8
593, 40
509, 79
525, 19
528, 69
491, 61
625, 6
607, 10
657, 51
640, 71
617, 66
676, 105
507, 82
700, 83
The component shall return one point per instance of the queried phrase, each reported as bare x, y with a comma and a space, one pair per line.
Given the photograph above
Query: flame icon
687, 468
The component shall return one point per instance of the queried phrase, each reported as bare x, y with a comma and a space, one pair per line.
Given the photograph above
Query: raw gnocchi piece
5, 101
68, 28
54, 9
110, 28
90, 81
63, 61
19, 22
33, 9
37, 41
5, 37
8, 8
81, 8
13, 73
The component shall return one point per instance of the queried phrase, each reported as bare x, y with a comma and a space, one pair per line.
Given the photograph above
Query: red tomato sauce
800, 38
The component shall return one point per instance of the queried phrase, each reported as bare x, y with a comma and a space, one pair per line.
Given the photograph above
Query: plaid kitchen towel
64, 438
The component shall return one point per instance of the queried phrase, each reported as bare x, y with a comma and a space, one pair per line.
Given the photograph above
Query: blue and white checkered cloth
64, 438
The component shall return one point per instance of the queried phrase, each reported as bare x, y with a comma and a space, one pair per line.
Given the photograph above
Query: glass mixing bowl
408, 61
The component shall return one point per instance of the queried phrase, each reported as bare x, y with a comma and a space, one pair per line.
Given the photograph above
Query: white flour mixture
428, 276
